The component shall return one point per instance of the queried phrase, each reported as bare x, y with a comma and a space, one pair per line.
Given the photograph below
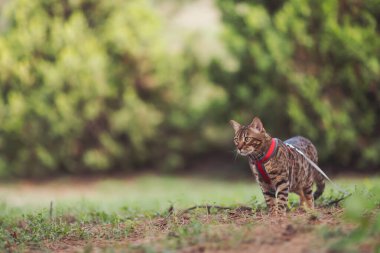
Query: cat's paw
277, 213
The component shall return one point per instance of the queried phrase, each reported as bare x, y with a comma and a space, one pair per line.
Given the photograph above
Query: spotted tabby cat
278, 168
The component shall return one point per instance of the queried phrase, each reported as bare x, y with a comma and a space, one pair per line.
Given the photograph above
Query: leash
338, 188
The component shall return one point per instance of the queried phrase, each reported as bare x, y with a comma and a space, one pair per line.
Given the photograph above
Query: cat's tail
320, 182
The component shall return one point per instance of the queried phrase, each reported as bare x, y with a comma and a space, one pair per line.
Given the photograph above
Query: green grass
117, 206
148, 194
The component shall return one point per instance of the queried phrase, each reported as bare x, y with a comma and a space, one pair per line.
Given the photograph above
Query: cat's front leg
281, 195
267, 190
270, 197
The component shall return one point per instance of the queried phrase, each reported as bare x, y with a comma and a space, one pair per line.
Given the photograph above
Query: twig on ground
204, 206
209, 207
238, 208
170, 211
336, 201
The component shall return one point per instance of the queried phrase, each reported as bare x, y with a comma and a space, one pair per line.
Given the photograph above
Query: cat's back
305, 145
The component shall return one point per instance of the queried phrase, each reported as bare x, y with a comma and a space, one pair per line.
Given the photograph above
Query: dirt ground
232, 231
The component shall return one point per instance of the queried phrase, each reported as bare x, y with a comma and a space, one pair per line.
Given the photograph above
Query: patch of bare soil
294, 233
227, 231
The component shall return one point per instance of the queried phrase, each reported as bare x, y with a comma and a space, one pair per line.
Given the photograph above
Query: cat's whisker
236, 154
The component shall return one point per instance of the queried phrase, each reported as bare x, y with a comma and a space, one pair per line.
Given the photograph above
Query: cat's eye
235, 139
247, 139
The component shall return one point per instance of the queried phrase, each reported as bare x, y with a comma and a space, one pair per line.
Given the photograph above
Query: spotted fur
288, 170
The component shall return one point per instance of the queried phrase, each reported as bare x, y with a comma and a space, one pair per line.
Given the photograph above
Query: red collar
260, 163
270, 152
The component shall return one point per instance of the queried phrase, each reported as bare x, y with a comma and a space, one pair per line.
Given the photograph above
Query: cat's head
251, 139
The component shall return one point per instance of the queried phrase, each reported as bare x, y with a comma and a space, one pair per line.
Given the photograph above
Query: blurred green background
92, 86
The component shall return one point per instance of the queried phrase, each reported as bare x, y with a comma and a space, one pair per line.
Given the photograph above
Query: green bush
93, 86
307, 67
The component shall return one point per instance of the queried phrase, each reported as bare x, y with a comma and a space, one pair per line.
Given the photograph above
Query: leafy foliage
92, 86
89, 86
306, 67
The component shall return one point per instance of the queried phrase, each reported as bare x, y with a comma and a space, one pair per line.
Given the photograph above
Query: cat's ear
236, 126
257, 124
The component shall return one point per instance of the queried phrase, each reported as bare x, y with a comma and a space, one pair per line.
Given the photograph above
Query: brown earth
226, 231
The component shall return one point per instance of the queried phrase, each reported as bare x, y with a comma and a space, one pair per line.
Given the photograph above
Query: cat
278, 168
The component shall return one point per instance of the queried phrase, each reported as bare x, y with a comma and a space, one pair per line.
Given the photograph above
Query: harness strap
260, 163
261, 169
